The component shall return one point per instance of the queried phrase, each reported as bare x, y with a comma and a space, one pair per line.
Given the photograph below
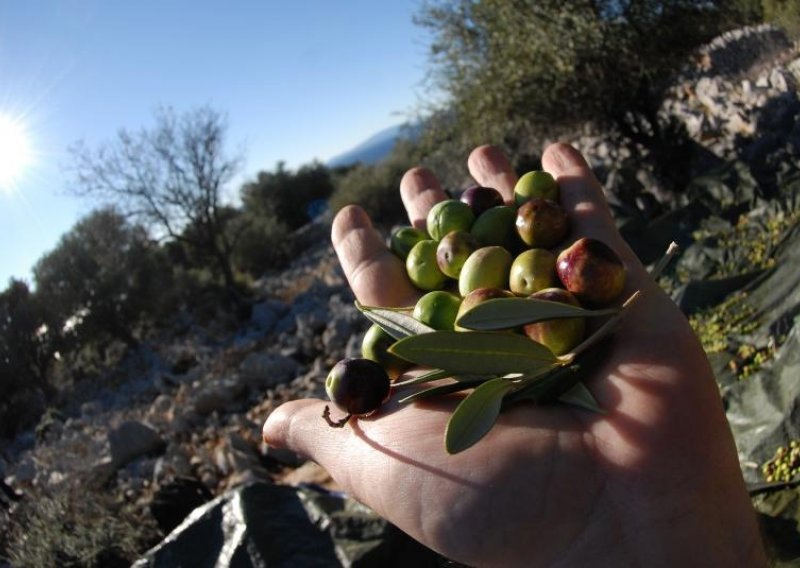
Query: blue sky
299, 80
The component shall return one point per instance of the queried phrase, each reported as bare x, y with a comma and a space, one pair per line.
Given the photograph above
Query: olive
481, 198
542, 223
536, 184
375, 347
357, 387
591, 270
403, 240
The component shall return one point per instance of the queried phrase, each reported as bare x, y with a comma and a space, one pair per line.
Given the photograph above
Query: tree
514, 69
274, 204
28, 344
169, 177
102, 279
286, 196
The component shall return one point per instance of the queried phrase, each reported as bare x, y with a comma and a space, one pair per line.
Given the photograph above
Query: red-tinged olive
453, 251
592, 271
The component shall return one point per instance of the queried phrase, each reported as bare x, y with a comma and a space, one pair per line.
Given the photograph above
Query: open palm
654, 481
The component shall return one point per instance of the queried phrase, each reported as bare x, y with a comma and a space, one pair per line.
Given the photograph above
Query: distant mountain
375, 148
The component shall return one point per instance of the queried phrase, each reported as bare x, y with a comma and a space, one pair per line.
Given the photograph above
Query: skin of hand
655, 481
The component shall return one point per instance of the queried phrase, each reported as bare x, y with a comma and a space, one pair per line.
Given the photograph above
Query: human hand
654, 481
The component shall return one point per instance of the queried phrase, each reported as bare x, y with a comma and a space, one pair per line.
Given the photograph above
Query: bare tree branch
168, 177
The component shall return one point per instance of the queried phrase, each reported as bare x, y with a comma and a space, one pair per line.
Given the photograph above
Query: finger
420, 190
490, 168
583, 199
376, 276
581, 193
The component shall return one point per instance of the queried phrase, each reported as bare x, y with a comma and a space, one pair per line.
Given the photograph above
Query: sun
15, 152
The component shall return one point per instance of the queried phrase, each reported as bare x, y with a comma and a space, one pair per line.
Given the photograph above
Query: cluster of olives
785, 465
477, 248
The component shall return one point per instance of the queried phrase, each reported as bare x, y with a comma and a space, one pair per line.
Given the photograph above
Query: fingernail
272, 430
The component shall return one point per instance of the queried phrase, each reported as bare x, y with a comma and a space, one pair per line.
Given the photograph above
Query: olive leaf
476, 353
396, 323
475, 415
434, 375
438, 390
579, 395
437, 374
548, 387
362, 308
506, 313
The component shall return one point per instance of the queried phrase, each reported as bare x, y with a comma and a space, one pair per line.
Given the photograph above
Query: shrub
286, 196
103, 278
260, 244
784, 13
510, 69
64, 528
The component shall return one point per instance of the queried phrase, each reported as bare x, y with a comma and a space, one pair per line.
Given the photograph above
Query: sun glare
15, 152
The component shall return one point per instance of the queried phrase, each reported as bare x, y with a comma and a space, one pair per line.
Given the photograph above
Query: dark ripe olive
481, 198
357, 386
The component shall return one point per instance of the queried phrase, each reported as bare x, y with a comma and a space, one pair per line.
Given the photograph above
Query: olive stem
672, 250
326, 414
606, 329
612, 322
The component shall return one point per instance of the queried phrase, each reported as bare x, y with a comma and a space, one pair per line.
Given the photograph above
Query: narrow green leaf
362, 308
441, 374
506, 313
581, 397
396, 323
548, 387
438, 390
475, 415
434, 375
477, 353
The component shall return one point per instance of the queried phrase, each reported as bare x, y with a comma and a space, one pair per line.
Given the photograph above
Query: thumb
298, 426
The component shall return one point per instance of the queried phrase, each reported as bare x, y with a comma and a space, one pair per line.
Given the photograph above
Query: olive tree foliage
286, 195
103, 279
510, 69
28, 344
274, 204
28, 340
784, 13
168, 177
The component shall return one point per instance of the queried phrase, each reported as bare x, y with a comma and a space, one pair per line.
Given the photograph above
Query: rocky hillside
178, 423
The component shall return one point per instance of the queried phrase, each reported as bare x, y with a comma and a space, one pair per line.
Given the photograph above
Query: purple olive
357, 387
481, 198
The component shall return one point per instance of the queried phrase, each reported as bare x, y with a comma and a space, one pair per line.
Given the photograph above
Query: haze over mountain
376, 147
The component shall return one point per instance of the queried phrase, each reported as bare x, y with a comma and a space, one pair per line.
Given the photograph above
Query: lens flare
15, 152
